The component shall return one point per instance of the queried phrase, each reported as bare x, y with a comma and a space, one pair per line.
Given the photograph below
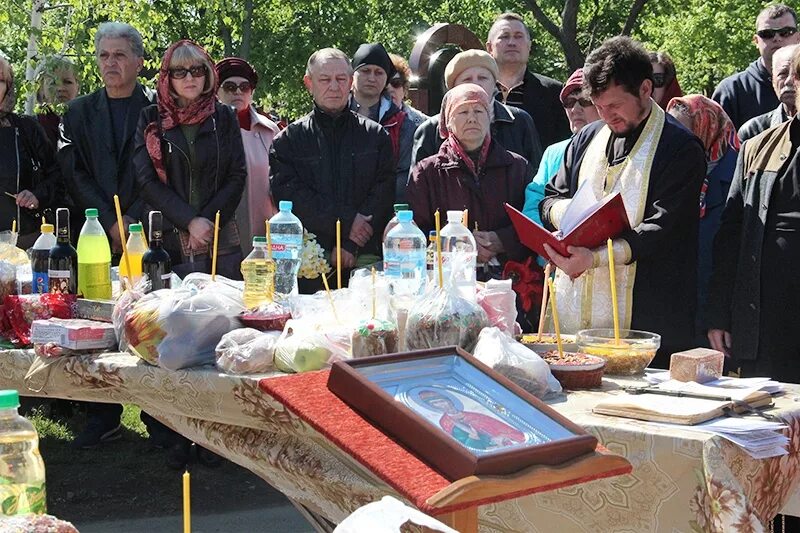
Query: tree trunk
247, 27
37, 8
227, 41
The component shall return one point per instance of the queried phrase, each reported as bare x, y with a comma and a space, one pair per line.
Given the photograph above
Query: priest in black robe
658, 166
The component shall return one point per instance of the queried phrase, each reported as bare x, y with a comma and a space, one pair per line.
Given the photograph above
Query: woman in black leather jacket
29, 175
190, 162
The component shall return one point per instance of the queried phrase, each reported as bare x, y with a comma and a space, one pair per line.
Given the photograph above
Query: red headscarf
672, 90
170, 115
711, 124
464, 94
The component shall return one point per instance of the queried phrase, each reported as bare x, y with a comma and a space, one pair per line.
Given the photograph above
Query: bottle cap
455, 216
432, 235
48, 228
91, 212
405, 216
400, 207
135, 227
285, 205
9, 399
259, 240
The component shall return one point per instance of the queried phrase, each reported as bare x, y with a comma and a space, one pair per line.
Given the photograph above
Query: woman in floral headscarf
706, 119
29, 175
190, 162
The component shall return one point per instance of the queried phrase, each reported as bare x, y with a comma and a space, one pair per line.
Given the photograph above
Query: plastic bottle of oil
258, 271
22, 484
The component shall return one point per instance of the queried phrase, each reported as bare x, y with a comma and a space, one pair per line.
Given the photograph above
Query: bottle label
58, 281
41, 283
286, 246
405, 265
22, 498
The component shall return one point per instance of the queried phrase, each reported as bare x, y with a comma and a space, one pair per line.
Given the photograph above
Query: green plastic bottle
94, 260
136, 246
22, 482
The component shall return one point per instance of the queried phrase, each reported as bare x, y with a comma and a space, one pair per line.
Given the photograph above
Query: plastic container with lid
94, 259
136, 247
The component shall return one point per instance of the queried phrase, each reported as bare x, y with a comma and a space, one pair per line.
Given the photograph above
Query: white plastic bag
247, 351
499, 301
513, 360
303, 346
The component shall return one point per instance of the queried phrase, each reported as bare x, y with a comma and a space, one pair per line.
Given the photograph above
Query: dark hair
663, 59
620, 60
510, 16
776, 11
402, 68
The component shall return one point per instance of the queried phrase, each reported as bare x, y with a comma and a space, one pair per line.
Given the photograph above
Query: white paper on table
386, 516
764, 384
739, 425
692, 387
766, 454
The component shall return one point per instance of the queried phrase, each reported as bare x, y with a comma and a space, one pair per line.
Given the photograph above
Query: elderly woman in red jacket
473, 172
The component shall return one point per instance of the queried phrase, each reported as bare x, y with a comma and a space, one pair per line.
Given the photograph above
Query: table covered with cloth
681, 481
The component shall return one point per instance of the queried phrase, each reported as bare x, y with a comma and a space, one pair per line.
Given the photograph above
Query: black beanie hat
235, 66
374, 54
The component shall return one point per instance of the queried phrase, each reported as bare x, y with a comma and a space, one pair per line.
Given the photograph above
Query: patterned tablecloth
681, 480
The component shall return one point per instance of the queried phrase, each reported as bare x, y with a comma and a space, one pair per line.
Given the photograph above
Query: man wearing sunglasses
372, 71
238, 81
783, 83
747, 94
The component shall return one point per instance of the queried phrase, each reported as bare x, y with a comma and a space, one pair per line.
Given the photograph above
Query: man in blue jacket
747, 94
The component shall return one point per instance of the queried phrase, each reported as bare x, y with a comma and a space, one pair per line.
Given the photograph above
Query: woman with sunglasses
580, 112
398, 90
665, 81
190, 163
238, 82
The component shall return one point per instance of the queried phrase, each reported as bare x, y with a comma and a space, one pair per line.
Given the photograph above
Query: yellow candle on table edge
330, 296
613, 276
556, 325
373, 293
338, 254
187, 504
121, 228
545, 290
439, 248
214, 253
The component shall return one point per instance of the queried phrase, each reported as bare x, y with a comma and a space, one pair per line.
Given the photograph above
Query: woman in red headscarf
190, 162
706, 119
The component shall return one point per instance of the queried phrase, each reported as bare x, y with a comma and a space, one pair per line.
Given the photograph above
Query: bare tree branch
543, 19
633, 15
569, 17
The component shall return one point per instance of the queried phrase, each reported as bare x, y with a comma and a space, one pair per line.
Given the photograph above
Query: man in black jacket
509, 43
95, 152
747, 94
783, 84
334, 164
97, 131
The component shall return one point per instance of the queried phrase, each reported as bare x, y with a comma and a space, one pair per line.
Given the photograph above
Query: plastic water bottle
22, 483
40, 258
393, 222
404, 257
136, 246
258, 271
286, 232
456, 238
94, 259
430, 256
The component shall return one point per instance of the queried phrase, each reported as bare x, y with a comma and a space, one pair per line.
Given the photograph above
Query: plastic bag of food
513, 360
304, 346
123, 305
270, 316
374, 337
21, 310
499, 301
443, 318
361, 285
247, 351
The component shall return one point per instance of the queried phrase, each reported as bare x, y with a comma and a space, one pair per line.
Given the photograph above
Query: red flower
526, 280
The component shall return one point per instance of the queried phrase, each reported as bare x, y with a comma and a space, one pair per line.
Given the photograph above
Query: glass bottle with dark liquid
62, 267
156, 264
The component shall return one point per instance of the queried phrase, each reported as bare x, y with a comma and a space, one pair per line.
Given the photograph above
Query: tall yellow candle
187, 504
121, 227
556, 324
14, 226
338, 254
330, 296
547, 270
613, 276
374, 295
269, 243
439, 248
214, 253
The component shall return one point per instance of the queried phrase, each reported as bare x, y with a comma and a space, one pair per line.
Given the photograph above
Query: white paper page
766, 454
739, 425
696, 388
656, 403
582, 203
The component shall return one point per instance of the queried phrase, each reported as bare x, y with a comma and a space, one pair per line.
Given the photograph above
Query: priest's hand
720, 340
579, 261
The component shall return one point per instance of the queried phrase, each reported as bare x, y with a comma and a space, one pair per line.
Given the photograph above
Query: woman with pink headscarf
473, 172
709, 122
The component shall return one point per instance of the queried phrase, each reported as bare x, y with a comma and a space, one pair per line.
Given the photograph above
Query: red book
584, 224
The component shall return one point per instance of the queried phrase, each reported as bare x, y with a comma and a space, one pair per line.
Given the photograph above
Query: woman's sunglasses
659, 79
230, 87
197, 71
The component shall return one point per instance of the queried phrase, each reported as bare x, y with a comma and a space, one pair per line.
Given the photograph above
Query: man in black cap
373, 69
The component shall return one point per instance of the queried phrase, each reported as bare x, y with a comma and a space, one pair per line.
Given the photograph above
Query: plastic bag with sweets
513, 360
20, 312
247, 351
304, 346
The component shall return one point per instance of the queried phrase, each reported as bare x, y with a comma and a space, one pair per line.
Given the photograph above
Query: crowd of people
707, 258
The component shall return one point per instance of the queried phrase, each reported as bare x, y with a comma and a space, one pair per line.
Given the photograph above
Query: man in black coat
658, 167
95, 152
747, 94
783, 83
96, 146
509, 43
334, 164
